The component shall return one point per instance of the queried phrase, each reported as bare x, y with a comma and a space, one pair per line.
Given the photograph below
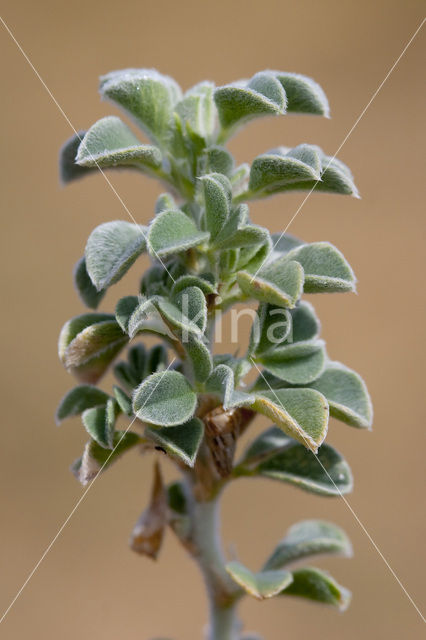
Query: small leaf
298, 363
279, 284
325, 268
264, 584
242, 101
99, 423
217, 196
271, 327
221, 383
96, 459
82, 397
123, 401
85, 288
165, 201
89, 343
182, 441
305, 323
146, 95
111, 250
274, 455
317, 585
175, 319
304, 95
148, 533
309, 538
173, 232
68, 169
192, 303
207, 286
109, 143
197, 108
347, 395
284, 242
272, 171
124, 310
300, 414
165, 399
218, 160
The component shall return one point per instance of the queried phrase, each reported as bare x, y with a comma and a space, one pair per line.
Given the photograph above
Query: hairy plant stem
206, 549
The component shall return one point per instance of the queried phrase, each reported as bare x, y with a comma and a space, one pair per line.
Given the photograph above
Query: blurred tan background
90, 585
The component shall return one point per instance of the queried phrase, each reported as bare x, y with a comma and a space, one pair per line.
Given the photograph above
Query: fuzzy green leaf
164, 202
123, 400
96, 458
99, 423
347, 395
272, 171
274, 455
317, 585
218, 160
207, 286
109, 143
325, 268
82, 397
68, 169
111, 250
284, 242
146, 95
301, 414
221, 382
192, 303
217, 196
297, 363
182, 441
199, 355
242, 101
262, 585
85, 288
309, 538
89, 343
165, 399
173, 232
197, 108
304, 95
279, 284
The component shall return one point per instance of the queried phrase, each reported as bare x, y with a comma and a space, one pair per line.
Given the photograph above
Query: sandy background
90, 585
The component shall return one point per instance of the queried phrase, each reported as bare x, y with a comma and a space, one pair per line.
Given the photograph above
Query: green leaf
305, 323
279, 284
89, 343
165, 399
347, 395
197, 108
82, 397
221, 383
284, 242
217, 198
207, 286
157, 358
176, 320
274, 455
85, 288
111, 250
109, 143
165, 201
264, 584
200, 357
276, 169
173, 232
218, 160
191, 302
242, 101
304, 95
137, 313
146, 95
99, 423
123, 401
325, 268
317, 585
271, 327
297, 363
182, 441
96, 459
68, 169
300, 413
309, 538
